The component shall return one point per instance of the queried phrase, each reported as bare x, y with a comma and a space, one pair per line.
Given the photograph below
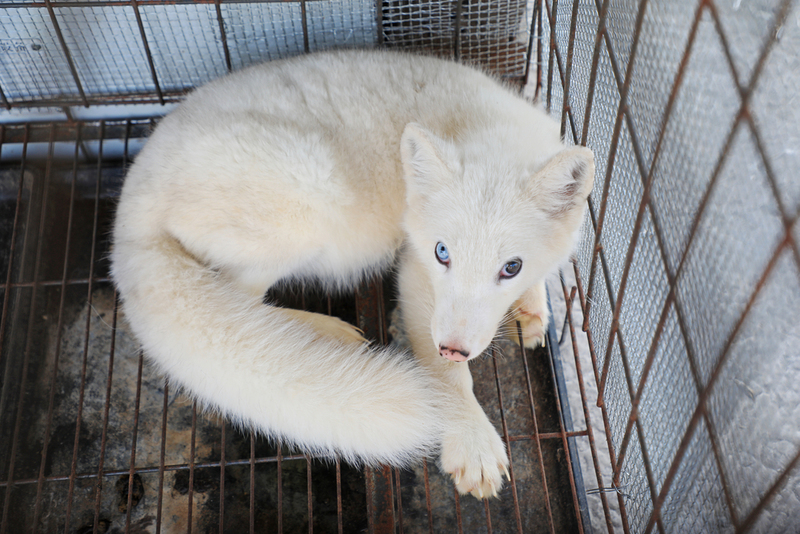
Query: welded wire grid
689, 259
495, 35
116, 51
687, 273
72, 53
94, 440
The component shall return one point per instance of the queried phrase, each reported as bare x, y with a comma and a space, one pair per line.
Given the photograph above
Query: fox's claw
476, 463
532, 313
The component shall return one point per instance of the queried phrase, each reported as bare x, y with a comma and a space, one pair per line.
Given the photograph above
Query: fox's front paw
476, 460
532, 313
533, 328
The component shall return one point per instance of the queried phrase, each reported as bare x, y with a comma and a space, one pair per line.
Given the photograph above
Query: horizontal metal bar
155, 469
128, 3
148, 97
551, 435
266, 459
50, 283
68, 131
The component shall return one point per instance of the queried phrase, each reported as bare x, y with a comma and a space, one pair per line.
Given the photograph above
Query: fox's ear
565, 181
423, 156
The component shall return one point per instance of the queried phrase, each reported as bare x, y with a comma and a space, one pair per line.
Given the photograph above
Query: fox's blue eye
442, 255
511, 269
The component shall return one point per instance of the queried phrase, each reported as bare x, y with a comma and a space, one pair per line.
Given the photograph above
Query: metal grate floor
93, 440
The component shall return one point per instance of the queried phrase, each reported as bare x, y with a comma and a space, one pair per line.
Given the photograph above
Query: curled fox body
329, 168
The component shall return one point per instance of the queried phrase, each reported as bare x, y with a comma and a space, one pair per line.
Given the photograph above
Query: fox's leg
472, 451
532, 313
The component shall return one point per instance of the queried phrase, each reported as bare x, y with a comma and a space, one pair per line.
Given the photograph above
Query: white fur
322, 168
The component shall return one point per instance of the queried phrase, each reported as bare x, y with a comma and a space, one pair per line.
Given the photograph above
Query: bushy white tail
263, 370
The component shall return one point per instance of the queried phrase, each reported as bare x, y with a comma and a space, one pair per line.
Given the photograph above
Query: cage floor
94, 440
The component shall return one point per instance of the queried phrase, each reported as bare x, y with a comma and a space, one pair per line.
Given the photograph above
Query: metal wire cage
689, 260
677, 341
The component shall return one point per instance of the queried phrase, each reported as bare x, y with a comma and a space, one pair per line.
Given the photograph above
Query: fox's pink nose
453, 354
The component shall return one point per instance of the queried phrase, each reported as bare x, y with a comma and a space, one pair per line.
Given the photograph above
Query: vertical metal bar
379, 23
457, 30
280, 486
190, 506
26, 352
380, 498
428, 495
564, 440
86, 339
459, 522
598, 41
551, 16
565, 107
222, 478
134, 437
488, 516
161, 458
399, 500
146, 45
43, 454
310, 497
529, 53
370, 484
104, 434
534, 421
3, 100
253, 482
569, 299
12, 246
602, 406
65, 49
107, 406
222, 35
305, 25
513, 481
59, 327
539, 46
587, 116
339, 518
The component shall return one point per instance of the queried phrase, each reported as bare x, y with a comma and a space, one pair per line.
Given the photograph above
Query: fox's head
488, 221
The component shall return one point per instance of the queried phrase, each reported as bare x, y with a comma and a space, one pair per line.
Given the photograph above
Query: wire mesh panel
80, 53
492, 34
686, 290
689, 257
92, 439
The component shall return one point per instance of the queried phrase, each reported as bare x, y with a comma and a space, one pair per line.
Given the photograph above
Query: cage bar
587, 54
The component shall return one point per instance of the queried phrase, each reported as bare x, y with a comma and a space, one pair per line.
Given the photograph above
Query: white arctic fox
330, 167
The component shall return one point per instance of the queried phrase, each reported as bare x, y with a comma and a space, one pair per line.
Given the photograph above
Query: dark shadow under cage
666, 398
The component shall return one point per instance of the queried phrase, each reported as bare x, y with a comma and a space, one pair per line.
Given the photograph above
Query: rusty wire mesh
689, 258
93, 439
686, 284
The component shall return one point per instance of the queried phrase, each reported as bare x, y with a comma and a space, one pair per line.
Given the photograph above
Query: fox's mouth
453, 354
